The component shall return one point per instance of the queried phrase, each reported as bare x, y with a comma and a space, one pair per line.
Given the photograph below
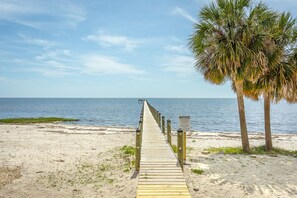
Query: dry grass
8, 175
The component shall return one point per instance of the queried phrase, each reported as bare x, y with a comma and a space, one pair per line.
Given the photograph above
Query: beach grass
36, 120
259, 150
128, 155
197, 171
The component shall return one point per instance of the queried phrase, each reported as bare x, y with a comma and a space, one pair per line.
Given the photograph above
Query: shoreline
134, 127
58, 160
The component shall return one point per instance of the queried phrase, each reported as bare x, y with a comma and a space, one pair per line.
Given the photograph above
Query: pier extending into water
160, 171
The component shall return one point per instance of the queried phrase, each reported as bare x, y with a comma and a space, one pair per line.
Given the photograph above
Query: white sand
64, 160
241, 175
78, 161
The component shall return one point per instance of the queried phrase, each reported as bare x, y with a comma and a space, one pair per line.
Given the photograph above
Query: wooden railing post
141, 117
140, 125
185, 145
159, 119
138, 149
163, 125
169, 132
180, 153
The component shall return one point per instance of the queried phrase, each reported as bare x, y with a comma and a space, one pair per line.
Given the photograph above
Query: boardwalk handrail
138, 139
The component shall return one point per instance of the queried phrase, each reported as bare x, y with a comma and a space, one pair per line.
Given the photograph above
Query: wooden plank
162, 186
156, 196
164, 194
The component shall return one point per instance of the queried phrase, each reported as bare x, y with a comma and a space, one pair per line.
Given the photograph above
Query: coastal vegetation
128, 154
259, 150
252, 46
197, 171
36, 120
92, 173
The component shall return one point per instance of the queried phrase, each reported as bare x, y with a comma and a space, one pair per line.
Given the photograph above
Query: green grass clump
35, 120
197, 171
259, 150
226, 150
128, 150
128, 155
189, 149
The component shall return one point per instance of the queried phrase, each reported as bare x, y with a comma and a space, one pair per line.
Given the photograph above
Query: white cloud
53, 68
181, 49
59, 65
128, 44
45, 15
37, 42
96, 64
180, 64
183, 13
2, 78
57, 54
50, 72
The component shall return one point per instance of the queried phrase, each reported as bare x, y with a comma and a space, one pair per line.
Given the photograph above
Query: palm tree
291, 93
227, 46
276, 81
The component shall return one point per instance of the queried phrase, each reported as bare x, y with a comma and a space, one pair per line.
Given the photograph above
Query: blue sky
110, 48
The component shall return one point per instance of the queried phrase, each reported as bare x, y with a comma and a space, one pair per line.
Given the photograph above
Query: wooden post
138, 149
185, 145
140, 125
184, 123
169, 132
180, 148
163, 125
159, 119
141, 117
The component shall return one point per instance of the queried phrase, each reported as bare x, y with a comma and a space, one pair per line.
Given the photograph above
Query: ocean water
217, 115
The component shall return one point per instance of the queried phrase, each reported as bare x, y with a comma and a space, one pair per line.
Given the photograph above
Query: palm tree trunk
243, 128
268, 139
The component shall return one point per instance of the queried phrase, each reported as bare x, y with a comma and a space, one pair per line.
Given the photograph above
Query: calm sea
206, 114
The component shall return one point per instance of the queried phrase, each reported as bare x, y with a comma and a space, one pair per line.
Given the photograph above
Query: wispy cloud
183, 13
49, 72
126, 43
37, 41
52, 68
56, 54
180, 64
97, 64
46, 15
2, 78
181, 49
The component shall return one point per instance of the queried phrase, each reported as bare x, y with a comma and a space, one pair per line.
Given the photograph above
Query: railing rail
138, 139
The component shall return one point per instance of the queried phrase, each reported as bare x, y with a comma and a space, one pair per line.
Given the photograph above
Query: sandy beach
56, 160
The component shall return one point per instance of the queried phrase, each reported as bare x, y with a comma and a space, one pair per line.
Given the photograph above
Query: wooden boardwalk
160, 174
